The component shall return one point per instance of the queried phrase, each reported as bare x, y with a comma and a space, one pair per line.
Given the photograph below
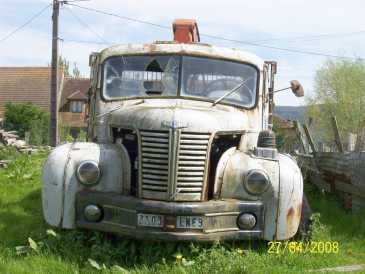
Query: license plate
189, 222
150, 220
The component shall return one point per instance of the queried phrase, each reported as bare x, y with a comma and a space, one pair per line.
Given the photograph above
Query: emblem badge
173, 124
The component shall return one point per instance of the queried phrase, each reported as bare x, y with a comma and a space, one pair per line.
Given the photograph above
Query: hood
189, 115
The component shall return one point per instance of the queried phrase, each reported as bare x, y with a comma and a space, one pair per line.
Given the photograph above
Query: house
32, 85
73, 103
286, 134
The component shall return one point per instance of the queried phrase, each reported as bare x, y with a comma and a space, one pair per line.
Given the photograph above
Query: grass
28, 245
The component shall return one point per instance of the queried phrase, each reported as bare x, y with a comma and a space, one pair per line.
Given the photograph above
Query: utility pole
53, 136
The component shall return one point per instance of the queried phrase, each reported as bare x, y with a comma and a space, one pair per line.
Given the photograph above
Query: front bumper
219, 217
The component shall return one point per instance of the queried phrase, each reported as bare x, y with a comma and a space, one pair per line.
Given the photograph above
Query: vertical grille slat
157, 162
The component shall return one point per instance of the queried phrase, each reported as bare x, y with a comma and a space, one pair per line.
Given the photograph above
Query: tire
305, 220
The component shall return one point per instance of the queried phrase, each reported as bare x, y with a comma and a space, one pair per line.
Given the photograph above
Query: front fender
60, 184
290, 198
283, 200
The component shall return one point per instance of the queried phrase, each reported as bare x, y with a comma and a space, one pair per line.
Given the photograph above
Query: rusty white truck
180, 147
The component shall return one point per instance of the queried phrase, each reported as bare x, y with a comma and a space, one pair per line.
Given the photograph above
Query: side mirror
297, 88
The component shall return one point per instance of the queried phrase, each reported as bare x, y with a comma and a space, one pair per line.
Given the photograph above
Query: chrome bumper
219, 217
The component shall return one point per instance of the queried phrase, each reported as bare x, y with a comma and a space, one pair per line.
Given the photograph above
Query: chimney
186, 31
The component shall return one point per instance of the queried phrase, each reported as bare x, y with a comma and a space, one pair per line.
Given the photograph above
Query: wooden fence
341, 172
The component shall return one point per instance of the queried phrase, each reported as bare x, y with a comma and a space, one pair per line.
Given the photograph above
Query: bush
28, 118
68, 134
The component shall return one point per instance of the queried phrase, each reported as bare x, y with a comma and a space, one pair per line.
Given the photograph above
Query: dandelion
178, 258
240, 251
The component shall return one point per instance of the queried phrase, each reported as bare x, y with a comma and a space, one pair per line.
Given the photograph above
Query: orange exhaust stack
186, 31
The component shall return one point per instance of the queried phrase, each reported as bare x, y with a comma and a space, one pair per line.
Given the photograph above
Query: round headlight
256, 182
88, 173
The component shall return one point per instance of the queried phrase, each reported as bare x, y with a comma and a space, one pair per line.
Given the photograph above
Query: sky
281, 23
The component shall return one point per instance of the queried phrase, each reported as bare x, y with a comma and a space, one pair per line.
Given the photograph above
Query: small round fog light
246, 221
93, 213
88, 173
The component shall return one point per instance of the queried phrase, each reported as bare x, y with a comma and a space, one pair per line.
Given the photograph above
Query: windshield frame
178, 95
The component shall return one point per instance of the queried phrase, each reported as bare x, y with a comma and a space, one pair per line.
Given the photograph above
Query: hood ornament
174, 124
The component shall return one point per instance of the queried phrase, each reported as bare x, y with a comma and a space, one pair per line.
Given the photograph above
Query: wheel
305, 220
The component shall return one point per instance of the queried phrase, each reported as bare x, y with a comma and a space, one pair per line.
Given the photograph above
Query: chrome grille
173, 171
155, 164
191, 165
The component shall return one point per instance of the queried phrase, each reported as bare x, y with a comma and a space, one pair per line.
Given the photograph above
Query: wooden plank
351, 189
309, 138
337, 134
300, 136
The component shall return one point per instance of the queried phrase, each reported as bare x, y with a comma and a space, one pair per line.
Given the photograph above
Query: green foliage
66, 136
8, 153
28, 118
340, 91
280, 136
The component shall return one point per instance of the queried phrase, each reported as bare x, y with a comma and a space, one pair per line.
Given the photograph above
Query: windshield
201, 78
141, 76
210, 78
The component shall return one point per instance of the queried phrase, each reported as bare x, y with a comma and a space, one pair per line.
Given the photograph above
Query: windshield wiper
117, 108
231, 91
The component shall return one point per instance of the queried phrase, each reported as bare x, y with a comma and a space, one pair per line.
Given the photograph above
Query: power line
120, 16
30, 20
312, 37
255, 44
85, 42
279, 48
83, 23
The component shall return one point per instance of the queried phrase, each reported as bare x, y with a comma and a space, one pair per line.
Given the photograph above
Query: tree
75, 71
28, 118
64, 65
339, 91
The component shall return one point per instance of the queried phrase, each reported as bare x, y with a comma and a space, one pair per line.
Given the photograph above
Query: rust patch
292, 218
170, 222
289, 215
299, 211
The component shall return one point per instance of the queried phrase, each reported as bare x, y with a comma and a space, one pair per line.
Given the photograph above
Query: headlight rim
247, 176
81, 180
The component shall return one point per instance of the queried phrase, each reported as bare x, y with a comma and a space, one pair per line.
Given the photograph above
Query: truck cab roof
191, 49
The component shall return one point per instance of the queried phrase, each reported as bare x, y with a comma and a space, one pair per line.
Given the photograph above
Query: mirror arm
275, 91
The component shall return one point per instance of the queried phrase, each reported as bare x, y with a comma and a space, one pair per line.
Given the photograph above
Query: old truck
179, 147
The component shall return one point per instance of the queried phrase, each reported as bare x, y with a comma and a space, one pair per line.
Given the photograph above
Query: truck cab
180, 148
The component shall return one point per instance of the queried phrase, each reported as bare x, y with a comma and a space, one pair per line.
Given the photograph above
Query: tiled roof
25, 84
283, 123
77, 95
74, 89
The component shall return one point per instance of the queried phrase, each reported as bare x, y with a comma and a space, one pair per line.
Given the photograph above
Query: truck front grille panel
155, 163
189, 164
